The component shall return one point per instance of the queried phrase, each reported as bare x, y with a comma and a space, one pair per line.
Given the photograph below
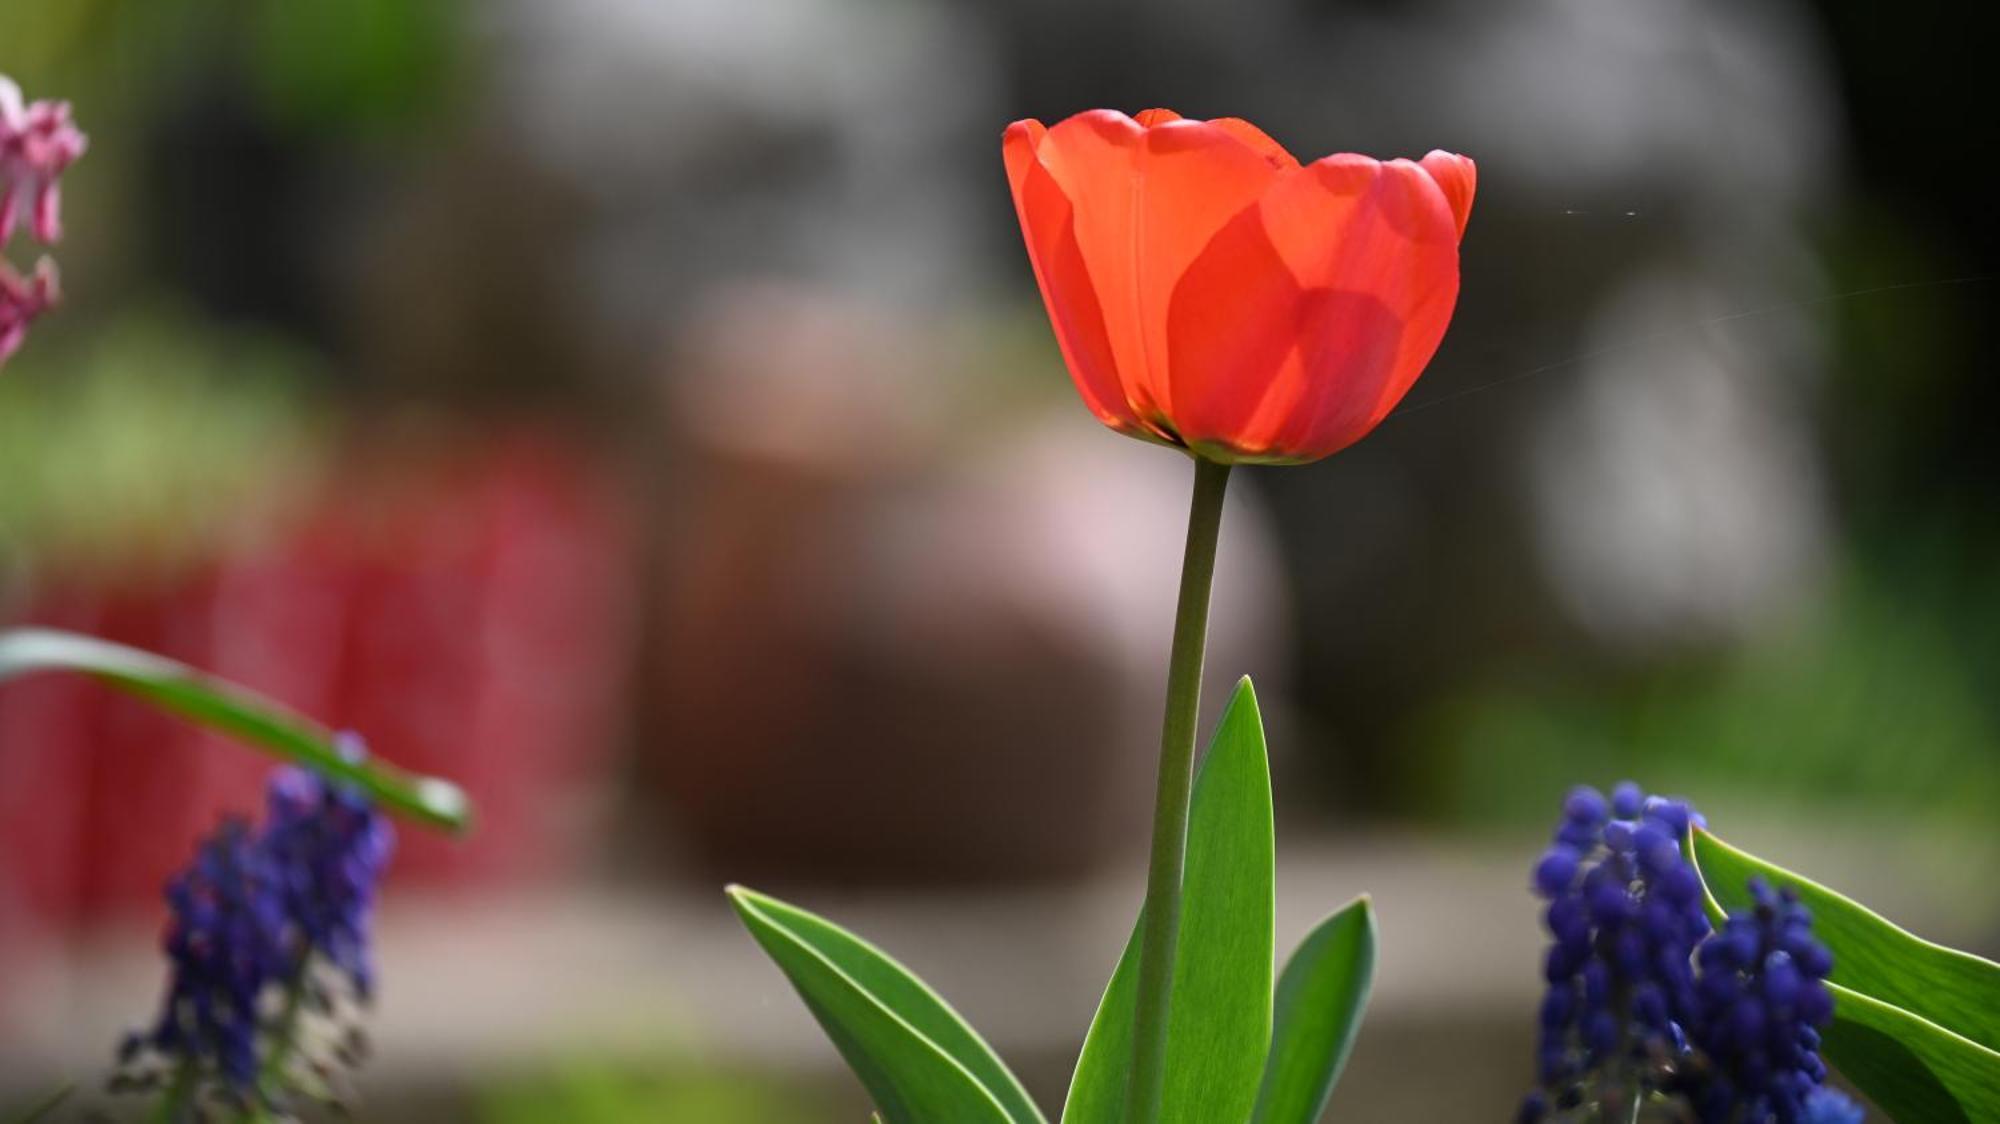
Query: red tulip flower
1211, 292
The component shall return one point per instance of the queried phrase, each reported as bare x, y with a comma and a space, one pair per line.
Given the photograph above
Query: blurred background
641, 412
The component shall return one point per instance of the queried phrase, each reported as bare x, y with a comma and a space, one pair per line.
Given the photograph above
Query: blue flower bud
1584, 805
1610, 904
1558, 1006
1674, 815
1829, 1106
1649, 1006
1815, 1003
1569, 922
1600, 1034
1781, 980
1680, 885
1596, 984
1618, 834
1556, 871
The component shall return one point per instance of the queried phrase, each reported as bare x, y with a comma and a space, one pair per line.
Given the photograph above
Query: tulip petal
1308, 316
1048, 227
1145, 201
1256, 138
1232, 332
1457, 177
1390, 285
1391, 293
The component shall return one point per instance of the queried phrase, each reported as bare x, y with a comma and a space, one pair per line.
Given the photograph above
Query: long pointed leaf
1871, 955
1912, 1020
1097, 1088
1219, 1025
1913, 1069
917, 1058
899, 990
181, 690
1321, 997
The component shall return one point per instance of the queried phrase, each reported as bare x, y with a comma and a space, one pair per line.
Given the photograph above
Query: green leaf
919, 1060
1871, 955
1915, 1023
1913, 1069
1321, 997
179, 689
1219, 1026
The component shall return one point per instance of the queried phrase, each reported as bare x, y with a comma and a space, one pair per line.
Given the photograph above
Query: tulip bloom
1209, 291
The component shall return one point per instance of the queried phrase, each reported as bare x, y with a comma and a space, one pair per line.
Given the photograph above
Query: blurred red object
466, 611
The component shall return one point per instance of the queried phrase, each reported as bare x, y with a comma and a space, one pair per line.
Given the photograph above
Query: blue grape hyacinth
258, 923
329, 846
1762, 1002
224, 941
1646, 1007
1625, 914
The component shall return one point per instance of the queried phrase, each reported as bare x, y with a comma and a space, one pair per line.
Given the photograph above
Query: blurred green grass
597, 1092
149, 444
1871, 701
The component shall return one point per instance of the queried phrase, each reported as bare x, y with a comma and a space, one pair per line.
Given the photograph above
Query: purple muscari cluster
225, 944
1762, 1002
37, 142
1629, 1020
259, 915
1625, 911
330, 846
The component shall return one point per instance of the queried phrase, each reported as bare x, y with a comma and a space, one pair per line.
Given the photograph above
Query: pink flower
22, 299
37, 141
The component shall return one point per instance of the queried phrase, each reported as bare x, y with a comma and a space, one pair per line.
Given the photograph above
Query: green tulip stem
1170, 807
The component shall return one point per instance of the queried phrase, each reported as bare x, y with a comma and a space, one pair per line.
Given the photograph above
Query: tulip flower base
1236, 1050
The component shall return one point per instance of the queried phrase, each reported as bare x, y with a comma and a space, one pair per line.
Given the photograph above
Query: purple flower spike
330, 846
1625, 923
224, 943
1763, 1000
1629, 1019
260, 921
